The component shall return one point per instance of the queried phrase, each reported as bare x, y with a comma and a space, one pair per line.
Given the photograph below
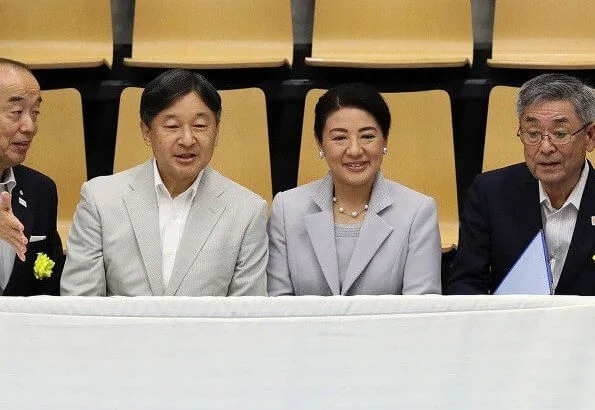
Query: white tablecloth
384, 352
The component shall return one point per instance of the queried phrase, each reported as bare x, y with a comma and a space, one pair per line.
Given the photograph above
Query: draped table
364, 352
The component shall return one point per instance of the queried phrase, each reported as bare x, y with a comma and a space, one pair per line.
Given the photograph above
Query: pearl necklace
353, 214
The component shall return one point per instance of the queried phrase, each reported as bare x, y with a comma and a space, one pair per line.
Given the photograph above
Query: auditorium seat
242, 151
420, 151
392, 33
544, 34
211, 34
502, 146
58, 150
57, 33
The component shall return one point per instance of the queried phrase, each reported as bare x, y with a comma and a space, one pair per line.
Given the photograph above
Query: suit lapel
21, 208
583, 237
373, 233
524, 200
321, 230
142, 207
205, 212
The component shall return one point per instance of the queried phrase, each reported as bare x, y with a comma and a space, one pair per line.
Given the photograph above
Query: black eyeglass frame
549, 137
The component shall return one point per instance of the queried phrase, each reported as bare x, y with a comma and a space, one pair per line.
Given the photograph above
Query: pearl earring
320, 153
384, 151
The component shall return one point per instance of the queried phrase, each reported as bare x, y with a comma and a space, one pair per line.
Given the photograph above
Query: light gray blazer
114, 247
397, 251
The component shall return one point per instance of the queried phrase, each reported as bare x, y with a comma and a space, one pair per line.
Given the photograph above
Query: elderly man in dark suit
28, 199
553, 190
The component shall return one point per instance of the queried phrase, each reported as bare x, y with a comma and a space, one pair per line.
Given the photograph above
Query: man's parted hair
164, 90
558, 87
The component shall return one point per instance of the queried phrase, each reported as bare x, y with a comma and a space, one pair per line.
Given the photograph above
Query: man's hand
11, 229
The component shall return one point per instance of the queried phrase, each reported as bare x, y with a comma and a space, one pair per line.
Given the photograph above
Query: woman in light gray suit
353, 232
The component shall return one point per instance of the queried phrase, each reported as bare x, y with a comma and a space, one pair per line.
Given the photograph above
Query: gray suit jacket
397, 251
114, 247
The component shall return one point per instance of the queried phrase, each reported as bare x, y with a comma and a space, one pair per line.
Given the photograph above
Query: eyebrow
370, 128
198, 115
562, 120
19, 98
359, 130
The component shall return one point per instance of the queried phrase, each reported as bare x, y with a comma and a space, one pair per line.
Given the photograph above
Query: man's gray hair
558, 87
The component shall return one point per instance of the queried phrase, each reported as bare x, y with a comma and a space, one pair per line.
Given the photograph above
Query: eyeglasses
561, 137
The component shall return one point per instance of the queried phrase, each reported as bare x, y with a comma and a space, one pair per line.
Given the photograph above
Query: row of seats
258, 33
421, 153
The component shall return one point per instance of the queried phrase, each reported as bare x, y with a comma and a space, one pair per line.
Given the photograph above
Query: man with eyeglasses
553, 190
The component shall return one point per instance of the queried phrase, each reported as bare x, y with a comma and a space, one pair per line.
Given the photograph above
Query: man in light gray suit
173, 225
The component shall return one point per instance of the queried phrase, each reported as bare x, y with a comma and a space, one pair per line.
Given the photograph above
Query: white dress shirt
173, 213
7, 252
558, 224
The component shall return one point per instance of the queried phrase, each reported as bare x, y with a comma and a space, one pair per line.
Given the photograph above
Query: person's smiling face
353, 143
20, 99
183, 137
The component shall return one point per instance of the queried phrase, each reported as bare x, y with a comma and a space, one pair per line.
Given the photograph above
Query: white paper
530, 274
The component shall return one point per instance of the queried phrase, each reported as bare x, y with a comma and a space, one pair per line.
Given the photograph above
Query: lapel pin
593, 220
21, 192
22, 202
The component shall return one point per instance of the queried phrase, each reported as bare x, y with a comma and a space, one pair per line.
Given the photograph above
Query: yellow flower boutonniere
594, 257
42, 268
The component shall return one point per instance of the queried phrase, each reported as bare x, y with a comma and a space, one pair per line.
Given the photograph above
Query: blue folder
530, 274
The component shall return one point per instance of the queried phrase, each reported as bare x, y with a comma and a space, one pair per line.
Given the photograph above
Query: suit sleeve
51, 285
422, 267
84, 271
249, 278
278, 277
471, 268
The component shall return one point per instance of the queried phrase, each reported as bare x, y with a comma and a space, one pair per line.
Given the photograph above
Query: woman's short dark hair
164, 90
353, 95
